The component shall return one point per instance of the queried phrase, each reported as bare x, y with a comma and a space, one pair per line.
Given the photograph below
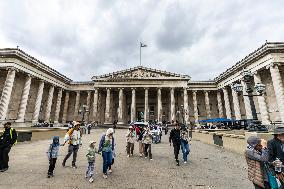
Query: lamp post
259, 88
83, 110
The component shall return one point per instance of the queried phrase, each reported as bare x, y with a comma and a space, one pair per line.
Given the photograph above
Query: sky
81, 39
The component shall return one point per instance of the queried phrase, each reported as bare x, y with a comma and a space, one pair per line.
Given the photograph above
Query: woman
256, 155
130, 139
106, 147
185, 144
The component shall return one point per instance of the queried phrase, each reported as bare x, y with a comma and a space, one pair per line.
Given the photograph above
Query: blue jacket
102, 141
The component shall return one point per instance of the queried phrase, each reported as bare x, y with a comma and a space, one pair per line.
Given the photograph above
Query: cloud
81, 39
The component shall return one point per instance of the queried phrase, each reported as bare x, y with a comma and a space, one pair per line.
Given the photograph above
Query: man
73, 137
175, 138
256, 156
275, 149
7, 140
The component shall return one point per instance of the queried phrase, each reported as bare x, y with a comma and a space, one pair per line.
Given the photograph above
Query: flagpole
140, 53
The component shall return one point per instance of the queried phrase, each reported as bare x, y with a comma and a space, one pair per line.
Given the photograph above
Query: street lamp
83, 110
259, 88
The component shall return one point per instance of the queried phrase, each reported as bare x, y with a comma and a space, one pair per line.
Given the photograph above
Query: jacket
91, 154
8, 138
255, 161
130, 136
175, 136
104, 145
73, 137
52, 151
275, 150
147, 137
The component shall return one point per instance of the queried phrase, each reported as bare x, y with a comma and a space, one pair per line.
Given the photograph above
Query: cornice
265, 49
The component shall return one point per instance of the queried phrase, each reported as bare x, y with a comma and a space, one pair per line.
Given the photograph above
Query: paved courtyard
209, 167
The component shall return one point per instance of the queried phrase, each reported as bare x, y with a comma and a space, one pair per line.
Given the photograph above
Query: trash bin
218, 140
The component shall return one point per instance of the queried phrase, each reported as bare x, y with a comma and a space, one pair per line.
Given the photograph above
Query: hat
109, 131
253, 141
76, 123
278, 130
130, 127
91, 142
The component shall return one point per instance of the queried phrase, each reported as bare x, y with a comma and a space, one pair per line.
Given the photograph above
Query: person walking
276, 153
147, 140
73, 137
7, 140
130, 139
185, 144
176, 140
106, 146
256, 155
52, 154
139, 133
91, 157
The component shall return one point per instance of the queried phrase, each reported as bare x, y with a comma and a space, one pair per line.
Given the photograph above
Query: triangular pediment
140, 72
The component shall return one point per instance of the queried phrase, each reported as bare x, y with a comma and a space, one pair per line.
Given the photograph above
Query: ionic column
95, 104
185, 105
278, 88
120, 106
227, 103
246, 101
220, 105
24, 100
58, 105
195, 109
65, 108
146, 110
236, 105
207, 104
77, 104
262, 103
173, 111
133, 106
49, 103
160, 107
88, 105
38, 102
107, 112
6, 93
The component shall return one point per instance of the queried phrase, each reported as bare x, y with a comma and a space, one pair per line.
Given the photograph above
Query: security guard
7, 140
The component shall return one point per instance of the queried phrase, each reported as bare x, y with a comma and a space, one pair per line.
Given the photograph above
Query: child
52, 154
147, 140
91, 155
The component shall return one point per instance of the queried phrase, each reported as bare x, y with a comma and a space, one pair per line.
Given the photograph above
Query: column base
20, 121
108, 123
121, 123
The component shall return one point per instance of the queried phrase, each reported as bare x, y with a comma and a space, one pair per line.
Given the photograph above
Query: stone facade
31, 91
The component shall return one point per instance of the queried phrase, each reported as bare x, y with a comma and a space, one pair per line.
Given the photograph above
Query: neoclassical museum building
32, 91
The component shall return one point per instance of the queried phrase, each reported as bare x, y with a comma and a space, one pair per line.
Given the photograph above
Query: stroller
156, 136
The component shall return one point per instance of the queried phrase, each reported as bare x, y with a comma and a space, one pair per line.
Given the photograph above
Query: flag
142, 45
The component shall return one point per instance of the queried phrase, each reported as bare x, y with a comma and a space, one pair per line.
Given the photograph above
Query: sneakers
128, 155
48, 176
74, 166
110, 171
140, 155
151, 159
3, 170
177, 162
91, 180
105, 176
63, 164
185, 162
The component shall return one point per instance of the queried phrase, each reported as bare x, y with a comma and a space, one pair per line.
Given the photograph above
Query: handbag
271, 177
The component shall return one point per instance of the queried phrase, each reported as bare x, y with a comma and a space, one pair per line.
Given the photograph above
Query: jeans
72, 149
185, 149
147, 150
52, 162
130, 148
90, 169
107, 160
4, 157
